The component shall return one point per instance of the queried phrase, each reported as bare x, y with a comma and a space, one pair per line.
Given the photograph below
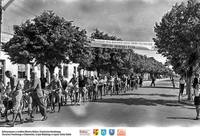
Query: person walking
196, 95
117, 83
16, 96
140, 80
105, 85
8, 102
128, 83
136, 82
132, 82
64, 85
153, 79
181, 88
95, 87
74, 90
37, 96
82, 87
111, 85
173, 83
124, 83
100, 87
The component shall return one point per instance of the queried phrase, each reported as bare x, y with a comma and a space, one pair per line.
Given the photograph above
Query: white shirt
182, 81
196, 92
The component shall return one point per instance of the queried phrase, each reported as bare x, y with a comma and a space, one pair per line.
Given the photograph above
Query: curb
189, 103
173, 104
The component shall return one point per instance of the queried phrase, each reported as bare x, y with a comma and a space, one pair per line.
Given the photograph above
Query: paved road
145, 106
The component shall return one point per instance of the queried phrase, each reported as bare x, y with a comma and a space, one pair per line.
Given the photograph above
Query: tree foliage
51, 40
178, 38
106, 59
47, 39
123, 61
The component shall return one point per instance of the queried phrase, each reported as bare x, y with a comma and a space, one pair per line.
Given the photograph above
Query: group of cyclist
36, 94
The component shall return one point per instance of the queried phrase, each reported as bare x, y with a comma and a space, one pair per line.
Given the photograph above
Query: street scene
69, 63
145, 106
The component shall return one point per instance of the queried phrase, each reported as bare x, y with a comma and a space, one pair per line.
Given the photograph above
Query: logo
103, 132
95, 132
112, 132
85, 132
121, 132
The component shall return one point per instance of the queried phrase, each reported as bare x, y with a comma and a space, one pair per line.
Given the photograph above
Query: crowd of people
37, 95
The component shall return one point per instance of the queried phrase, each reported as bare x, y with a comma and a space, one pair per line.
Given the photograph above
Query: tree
46, 39
122, 61
105, 59
178, 38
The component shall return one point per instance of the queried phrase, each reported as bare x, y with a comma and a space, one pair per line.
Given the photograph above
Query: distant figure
26, 84
82, 87
117, 83
153, 79
136, 82
43, 81
64, 85
181, 88
196, 95
140, 81
173, 82
132, 82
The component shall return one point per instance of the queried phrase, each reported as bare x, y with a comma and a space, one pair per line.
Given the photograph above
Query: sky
131, 20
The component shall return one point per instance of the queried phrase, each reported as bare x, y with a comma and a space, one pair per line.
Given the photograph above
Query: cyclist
8, 102
74, 90
64, 85
56, 93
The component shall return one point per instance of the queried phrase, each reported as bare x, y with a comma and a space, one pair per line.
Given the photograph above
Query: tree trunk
79, 71
42, 71
110, 71
98, 71
188, 83
51, 70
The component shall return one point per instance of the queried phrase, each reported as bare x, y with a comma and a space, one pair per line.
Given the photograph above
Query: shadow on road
162, 95
185, 118
163, 87
140, 101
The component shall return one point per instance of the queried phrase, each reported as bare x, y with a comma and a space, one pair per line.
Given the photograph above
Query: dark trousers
40, 103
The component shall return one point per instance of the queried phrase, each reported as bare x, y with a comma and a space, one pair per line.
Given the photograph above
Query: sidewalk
161, 83
186, 101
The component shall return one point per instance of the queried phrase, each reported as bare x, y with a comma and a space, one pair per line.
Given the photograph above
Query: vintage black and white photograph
110, 63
